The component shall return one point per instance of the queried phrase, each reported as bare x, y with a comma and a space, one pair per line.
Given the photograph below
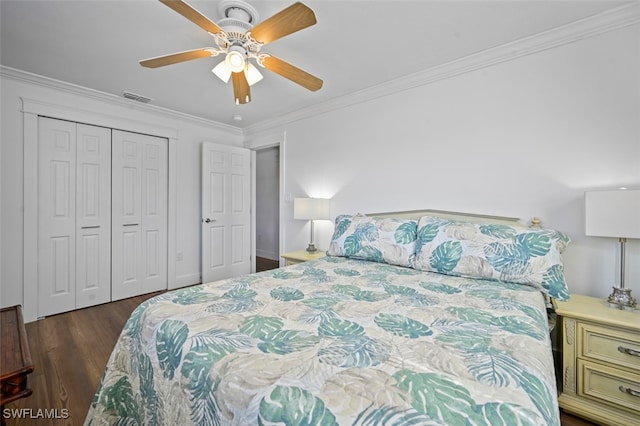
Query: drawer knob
628, 351
630, 391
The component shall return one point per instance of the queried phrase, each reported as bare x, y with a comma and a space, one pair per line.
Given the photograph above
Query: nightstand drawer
610, 345
604, 384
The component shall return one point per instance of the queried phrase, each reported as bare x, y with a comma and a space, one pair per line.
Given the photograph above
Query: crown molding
601, 23
51, 83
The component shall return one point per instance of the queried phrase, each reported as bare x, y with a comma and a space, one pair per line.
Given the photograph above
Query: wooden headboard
468, 217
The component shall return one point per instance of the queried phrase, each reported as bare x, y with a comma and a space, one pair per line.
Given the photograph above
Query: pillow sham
388, 240
491, 251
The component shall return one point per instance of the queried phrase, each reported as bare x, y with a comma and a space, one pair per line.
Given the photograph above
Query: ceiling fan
240, 41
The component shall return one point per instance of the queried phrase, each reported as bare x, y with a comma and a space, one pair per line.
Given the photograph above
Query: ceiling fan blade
174, 58
193, 15
292, 73
294, 18
241, 90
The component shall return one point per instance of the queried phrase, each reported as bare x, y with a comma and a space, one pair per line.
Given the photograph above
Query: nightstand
600, 361
300, 256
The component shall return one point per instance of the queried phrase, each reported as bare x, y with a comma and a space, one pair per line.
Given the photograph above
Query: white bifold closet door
74, 216
139, 214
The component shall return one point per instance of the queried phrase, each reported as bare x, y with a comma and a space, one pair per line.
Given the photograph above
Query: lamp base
312, 248
621, 299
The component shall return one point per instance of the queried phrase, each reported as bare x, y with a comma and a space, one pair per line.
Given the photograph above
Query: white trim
254, 215
81, 115
30, 218
606, 21
31, 110
265, 140
86, 92
172, 214
283, 199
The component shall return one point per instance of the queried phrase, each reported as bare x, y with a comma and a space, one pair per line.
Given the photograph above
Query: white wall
523, 138
189, 133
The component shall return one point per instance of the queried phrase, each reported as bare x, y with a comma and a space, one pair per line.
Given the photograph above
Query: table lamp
311, 209
616, 214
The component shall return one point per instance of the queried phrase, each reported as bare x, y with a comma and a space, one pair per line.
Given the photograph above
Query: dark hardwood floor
264, 264
70, 352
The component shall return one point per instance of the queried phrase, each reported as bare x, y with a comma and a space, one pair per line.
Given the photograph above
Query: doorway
267, 208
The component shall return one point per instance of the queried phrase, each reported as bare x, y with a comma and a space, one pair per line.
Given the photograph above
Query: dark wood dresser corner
15, 357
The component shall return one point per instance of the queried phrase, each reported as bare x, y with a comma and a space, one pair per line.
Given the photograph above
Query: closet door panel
93, 216
154, 213
130, 254
126, 255
56, 216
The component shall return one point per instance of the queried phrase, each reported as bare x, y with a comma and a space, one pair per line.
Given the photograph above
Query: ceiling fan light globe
222, 71
235, 61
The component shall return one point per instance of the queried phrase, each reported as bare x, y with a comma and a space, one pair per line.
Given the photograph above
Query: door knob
207, 220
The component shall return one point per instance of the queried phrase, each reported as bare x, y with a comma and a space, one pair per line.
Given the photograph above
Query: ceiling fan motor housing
237, 13
238, 18
233, 25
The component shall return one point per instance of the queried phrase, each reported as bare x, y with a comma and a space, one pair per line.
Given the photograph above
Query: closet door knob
207, 220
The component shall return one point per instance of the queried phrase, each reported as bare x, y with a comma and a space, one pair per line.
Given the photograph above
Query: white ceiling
355, 45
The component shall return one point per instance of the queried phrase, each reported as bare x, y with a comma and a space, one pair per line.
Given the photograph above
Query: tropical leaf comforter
334, 341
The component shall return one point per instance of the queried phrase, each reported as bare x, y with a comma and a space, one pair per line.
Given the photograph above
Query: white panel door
56, 261
226, 212
139, 215
93, 216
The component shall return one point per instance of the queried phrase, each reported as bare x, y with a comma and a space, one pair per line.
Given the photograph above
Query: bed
368, 335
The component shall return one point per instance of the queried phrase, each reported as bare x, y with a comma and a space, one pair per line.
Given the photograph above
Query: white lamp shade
222, 71
612, 213
311, 208
252, 74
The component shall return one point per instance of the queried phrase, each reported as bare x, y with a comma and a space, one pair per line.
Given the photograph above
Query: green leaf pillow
495, 252
387, 240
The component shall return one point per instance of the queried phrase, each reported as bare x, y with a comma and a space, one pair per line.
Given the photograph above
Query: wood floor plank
70, 352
